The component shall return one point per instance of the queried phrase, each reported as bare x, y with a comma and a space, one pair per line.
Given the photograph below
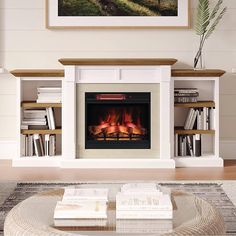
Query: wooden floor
8, 173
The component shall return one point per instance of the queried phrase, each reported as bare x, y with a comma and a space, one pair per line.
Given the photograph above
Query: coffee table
192, 216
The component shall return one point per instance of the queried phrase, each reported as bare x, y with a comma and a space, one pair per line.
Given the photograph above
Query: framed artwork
117, 13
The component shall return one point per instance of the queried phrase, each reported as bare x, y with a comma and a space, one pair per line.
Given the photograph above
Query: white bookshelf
130, 71
208, 87
27, 83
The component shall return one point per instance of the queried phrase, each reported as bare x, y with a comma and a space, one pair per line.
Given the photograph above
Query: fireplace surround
90, 84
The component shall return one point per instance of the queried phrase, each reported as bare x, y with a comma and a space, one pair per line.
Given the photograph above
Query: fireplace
117, 120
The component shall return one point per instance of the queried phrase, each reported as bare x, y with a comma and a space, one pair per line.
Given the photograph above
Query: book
193, 119
212, 118
80, 222
144, 214
52, 145
144, 188
23, 145
80, 210
140, 202
38, 145
49, 90
50, 118
79, 194
190, 147
188, 119
198, 148
47, 145
186, 90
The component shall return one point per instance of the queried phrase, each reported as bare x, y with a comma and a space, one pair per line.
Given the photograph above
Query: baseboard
7, 150
228, 149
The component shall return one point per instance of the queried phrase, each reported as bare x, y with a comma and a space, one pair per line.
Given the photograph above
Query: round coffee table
34, 216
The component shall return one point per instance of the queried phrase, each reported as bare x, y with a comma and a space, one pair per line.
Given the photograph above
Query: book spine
51, 114
144, 215
190, 146
212, 118
47, 138
198, 145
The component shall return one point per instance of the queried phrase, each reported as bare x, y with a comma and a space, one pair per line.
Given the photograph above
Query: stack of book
186, 95
34, 119
35, 145
49, 95
143, 201
38, 119
188, 145
157, 227
200, 119
82, 206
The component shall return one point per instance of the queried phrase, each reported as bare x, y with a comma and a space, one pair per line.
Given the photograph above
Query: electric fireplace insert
117, 121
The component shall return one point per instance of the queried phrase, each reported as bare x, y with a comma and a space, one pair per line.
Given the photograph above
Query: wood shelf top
196, 104
197, 73
48, 131
37, 73
117, 61
33, 104
181, 130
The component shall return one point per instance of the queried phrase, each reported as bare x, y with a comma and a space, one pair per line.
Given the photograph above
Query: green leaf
203, 17
215, 23
216, 9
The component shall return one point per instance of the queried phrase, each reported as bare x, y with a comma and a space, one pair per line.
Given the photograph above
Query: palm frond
215, 23
216, 9
203, 15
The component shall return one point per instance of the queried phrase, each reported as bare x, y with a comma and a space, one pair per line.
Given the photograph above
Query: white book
144, 214
194, 145
48, 119
142, 202
194, 117
204, 118
80, 222
49, 100
189, 118
49, 89
137, 187
49, 95
34, 122
185, 146
81, 210
212, 118
79, 194
52, 119
47, 147
143, 226
22, 147
52, 145
176, 145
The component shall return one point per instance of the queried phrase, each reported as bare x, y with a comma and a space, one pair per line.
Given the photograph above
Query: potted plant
206, 22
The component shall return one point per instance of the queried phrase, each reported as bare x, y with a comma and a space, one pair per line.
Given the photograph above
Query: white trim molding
7, 150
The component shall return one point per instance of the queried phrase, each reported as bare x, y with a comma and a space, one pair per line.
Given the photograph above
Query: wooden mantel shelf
196, 73
118, 61
38, 73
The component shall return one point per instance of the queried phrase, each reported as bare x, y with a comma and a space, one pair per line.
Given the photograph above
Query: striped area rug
213, 193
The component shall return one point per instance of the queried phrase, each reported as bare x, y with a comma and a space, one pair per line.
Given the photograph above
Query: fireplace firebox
117, 120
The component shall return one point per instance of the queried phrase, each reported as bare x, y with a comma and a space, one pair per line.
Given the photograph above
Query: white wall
25, 43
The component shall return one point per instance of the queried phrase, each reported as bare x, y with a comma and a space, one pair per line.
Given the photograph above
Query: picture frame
56, 21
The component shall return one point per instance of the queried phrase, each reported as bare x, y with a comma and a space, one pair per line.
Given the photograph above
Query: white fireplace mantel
117, 74
154, 76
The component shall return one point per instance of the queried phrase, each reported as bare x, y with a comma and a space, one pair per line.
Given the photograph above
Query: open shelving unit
27, 83
207, 83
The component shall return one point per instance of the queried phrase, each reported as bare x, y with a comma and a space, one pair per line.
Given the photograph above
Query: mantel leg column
69, 113
166, 114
